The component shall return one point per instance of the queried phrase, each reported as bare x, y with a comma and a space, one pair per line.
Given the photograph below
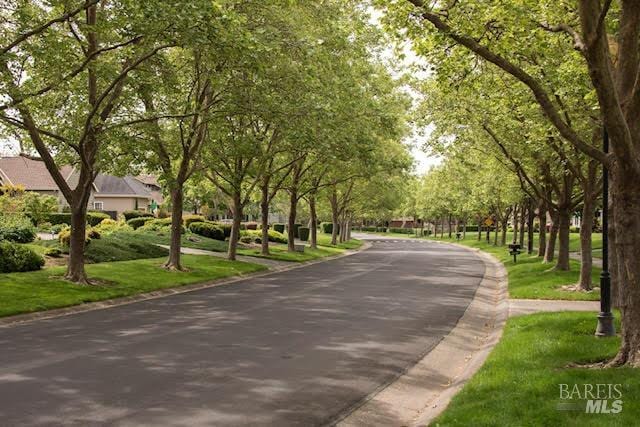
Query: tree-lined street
292, 348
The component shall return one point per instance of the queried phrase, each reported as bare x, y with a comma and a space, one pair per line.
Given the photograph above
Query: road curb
425, 390
161, 293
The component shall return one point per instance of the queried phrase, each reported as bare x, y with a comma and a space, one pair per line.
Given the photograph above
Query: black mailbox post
458, 235
514, 249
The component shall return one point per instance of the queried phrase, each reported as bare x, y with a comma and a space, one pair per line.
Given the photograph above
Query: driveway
300, 347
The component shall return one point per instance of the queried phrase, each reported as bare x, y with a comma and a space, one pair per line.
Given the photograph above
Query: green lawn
530, 278
519, 384
45, 289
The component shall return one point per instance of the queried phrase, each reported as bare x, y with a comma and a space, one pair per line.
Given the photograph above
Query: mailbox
514, 249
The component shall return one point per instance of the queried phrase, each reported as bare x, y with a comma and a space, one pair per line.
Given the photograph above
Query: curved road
301, 347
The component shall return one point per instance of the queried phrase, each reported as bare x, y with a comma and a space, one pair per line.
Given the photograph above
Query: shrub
274, 236
279, 228
44, 227
93, 233
95, 218
189, 219
371, 229
65, 237
109, 226
400, 230
470, 228
18, 229
39, 206
57, 228
226, 228
574, 229
382, 229
326, 227
250, 239
295, 230
207, 229
135, 214
53, 252
163, 224
138, 222
303, 232
16, 258
60, 218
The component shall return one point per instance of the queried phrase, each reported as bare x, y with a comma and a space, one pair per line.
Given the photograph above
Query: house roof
27, 172
33, 175
148, 179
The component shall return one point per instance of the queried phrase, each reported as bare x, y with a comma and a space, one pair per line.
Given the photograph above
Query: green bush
135, 214
93, 234
295, 230
274, 236
60, 218
53, 252
470, 228
279, 228
250, 239
44, 227
400, 230
187, 220
95, 218
18, 229
207, 229
382, 229
138, 222
65, 237
226, 227
163, 225
303, 232
574, 229
109, 226
16, 258
370, 229
57, 228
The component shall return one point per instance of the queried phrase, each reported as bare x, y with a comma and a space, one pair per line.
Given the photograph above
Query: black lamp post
605, 326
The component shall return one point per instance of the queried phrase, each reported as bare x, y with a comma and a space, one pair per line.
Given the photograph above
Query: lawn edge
420, 395
18, 319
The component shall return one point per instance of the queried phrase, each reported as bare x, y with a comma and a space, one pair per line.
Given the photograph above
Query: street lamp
605, 326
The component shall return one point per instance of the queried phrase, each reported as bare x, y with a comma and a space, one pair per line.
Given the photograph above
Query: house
111, 194
151, 184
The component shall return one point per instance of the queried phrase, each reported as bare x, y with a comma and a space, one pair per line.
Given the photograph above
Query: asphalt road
301, 347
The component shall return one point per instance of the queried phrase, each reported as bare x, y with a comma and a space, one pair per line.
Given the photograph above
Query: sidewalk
519, 307
269, 263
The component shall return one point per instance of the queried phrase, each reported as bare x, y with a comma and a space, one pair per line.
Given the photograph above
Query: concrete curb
115, 302
425, 390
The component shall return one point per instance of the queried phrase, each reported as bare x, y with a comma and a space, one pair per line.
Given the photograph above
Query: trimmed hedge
189, 219
16, 258
279, 227
303, 232
327, 227
135, 214
138, 222
207, 229
18, 229
470, 228
401, 230
295, 230
59, 218
225, 227
256, 236
95, 218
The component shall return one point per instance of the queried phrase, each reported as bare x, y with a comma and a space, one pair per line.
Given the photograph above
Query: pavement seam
19, 319
411, 403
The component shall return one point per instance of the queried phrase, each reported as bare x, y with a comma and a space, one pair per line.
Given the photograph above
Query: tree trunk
626, 194
449, 223
334, 218
504, 226
542, 232
177, 202
550, 249
75, 268
523, 220
264, 212
464, 230
515, 223
293, 213
313, 224
530, 219
479, 229
495, 234
488, 233
235, 228
442, 228
564, 220
586, 226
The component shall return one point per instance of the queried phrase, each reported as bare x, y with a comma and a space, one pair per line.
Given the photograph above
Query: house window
99, 206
